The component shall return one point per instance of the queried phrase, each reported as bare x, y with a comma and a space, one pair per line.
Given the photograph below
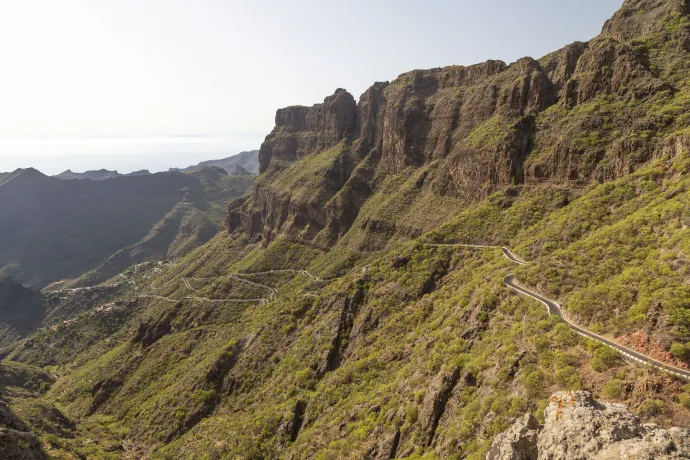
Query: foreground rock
578, 427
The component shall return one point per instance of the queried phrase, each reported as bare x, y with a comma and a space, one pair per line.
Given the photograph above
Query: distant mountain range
248, 161
52, 230
101, 174
240, 164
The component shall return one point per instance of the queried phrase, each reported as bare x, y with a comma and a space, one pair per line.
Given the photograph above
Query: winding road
555, 309
506, 252
236, 276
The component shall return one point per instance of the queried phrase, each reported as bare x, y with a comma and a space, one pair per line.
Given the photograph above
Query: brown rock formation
641, 18
466, 131
301, 131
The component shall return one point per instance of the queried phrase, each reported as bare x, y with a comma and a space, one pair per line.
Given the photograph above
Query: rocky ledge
576, 426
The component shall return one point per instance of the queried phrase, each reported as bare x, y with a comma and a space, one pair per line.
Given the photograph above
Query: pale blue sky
75, 68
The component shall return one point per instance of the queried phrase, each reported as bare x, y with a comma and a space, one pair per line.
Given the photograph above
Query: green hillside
428, 342
344, 313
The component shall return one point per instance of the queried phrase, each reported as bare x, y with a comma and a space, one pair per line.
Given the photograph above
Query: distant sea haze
124, 154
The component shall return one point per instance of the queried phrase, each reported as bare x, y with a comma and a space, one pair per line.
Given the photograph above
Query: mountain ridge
478, 121
245, 160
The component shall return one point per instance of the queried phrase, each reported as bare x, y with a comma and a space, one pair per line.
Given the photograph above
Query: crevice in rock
395, 444
345, 324
216, 379
297, 419
104, 389
150, 332
435, 403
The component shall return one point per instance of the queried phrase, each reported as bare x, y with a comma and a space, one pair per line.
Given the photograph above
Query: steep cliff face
579, 114
302, 131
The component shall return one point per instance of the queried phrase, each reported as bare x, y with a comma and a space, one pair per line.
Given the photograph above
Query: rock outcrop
519, 442
301, 131
641, 18
578, 427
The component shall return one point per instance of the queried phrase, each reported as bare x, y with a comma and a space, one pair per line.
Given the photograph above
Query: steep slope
421, 351
440, 138
52, 229
342, 315
21, 311
186, 226
20, 386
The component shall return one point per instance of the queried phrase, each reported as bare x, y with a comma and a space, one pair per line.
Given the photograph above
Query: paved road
555, 310
506, 252
302, 272
236, 276
512, 257
205, 299
185, 281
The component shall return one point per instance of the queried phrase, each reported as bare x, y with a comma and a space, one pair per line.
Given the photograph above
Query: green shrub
53, 440
517, 406
652, 407
306, 378
604, 358
568, 378
614, 389
534, 383
207, 396
411, 414
684, 400
566, 336
562, 360
680, 351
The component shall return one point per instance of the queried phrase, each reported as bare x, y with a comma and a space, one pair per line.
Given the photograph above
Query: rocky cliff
578, 427
582, 114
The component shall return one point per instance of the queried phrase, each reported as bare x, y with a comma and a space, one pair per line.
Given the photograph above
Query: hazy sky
78, 68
